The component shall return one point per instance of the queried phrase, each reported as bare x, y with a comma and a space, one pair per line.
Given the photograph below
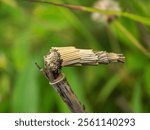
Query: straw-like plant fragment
59, 57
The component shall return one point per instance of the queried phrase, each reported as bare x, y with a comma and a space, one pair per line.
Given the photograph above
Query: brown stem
59, 82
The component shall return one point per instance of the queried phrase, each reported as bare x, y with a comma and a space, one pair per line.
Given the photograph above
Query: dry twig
71, 56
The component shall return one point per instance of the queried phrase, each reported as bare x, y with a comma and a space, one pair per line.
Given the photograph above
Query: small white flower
105, 5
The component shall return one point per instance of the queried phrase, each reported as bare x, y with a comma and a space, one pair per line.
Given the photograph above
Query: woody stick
70, 56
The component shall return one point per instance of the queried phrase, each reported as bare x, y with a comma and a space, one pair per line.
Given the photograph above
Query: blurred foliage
29, 30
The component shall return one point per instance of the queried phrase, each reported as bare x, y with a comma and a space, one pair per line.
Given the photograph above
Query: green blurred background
28, 31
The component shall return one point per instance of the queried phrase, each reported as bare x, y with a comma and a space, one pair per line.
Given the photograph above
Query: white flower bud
109, 5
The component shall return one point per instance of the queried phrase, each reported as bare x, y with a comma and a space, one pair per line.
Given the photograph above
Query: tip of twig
121, 58
113, 57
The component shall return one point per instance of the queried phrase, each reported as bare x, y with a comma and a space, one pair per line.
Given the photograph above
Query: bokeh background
28, 31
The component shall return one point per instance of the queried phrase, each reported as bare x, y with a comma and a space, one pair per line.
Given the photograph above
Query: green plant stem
134, 17
108, 88
133, 40
137, 18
